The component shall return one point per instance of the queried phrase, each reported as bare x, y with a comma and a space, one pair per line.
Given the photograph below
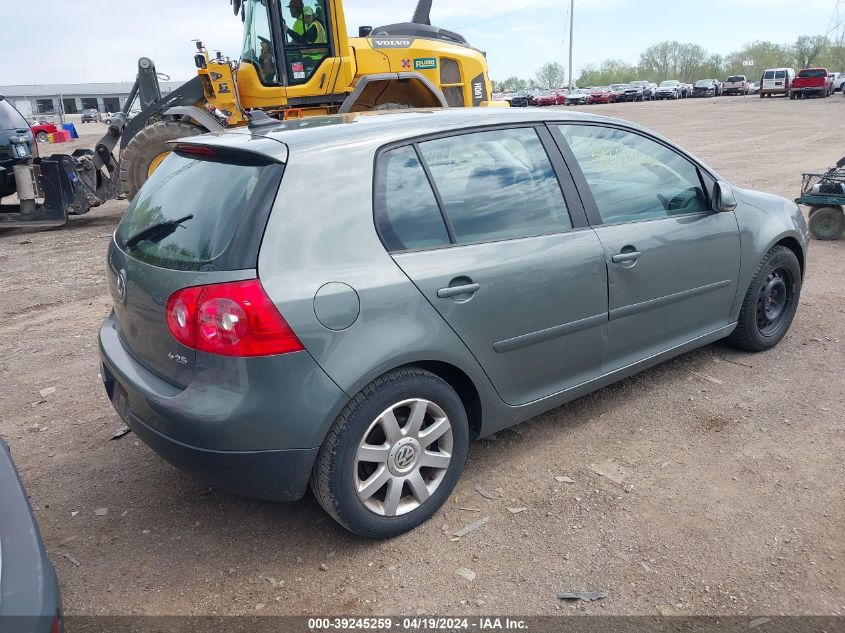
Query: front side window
407, 214
633, 178
496, 185
305, 30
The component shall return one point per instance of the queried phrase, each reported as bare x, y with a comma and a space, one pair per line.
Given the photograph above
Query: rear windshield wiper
156, 232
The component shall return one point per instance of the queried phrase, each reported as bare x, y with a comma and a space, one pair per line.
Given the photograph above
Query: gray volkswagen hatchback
347, 300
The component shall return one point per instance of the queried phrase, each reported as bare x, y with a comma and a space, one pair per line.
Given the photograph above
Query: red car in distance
601, 95
41, 129
550, 98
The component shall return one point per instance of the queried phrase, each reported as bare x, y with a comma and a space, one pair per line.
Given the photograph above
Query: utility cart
825, 195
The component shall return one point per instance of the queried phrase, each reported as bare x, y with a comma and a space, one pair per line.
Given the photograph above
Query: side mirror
724, 200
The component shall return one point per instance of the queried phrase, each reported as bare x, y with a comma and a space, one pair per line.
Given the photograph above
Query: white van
776, 81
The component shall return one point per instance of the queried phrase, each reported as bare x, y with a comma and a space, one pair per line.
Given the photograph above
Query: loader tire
147, 149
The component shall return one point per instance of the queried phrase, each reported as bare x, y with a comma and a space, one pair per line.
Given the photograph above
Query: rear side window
496, 185
11, 119
230, 204
408, 217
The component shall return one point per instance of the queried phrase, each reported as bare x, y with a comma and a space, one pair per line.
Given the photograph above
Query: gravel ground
721, 492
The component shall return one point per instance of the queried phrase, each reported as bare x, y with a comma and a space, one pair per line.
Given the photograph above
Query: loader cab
286, 41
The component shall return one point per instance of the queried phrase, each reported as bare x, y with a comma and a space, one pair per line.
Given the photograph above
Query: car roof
382, 128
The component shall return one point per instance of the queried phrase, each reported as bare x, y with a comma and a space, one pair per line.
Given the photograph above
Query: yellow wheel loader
297, 60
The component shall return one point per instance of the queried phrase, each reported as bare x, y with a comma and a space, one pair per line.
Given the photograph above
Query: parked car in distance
812, 82
839, 82
30, 601
577, 97
520, 99
753, 88
602, 94
735, 85
550, 98
634, 91
619, 91
650, 92
706, 88
17, 145
366, 366
90, 115
670, 89
41, 129
776, 81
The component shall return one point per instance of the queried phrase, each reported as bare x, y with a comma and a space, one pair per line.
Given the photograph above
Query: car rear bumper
30, 599
814, 90
249, 426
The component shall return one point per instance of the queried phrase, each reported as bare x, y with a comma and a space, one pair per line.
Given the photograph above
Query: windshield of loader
305, 31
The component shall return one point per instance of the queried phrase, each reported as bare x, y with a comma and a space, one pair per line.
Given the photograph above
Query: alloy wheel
403, 457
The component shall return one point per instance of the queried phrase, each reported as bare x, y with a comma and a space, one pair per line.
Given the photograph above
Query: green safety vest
299, 29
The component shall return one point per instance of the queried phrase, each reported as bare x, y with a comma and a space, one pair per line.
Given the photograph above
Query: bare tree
807, 49
550, 75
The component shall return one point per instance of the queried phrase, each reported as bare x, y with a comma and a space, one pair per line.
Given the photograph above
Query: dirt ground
723, 477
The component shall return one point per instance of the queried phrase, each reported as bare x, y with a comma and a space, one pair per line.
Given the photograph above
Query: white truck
735, 85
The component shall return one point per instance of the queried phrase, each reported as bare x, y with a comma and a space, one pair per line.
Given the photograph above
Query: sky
93, 40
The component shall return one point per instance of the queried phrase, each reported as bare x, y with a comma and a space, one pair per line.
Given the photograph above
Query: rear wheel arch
397, 89
463, 386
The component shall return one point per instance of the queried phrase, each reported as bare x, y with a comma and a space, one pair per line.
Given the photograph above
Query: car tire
146, 147
770, 302
827, 223
339, 479
41, 137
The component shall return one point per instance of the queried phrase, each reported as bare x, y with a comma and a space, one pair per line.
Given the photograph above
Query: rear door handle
626, 257
455, 291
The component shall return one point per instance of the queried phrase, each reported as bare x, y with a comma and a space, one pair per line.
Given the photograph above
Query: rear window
780, 74
10, 118
230, 204
813, 72
735, 79
769, 74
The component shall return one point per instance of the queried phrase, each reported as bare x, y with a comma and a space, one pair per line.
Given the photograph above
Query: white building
59, 99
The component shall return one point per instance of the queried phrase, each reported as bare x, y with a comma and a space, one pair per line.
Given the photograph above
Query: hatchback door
672, 263
479, 223
211, 210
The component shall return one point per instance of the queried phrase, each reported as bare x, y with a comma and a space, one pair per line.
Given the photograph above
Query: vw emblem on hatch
121, 287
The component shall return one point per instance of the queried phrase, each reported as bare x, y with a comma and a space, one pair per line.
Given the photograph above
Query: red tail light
231, 319
194, 150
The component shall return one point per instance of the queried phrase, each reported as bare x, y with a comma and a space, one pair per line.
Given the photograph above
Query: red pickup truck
812, 81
